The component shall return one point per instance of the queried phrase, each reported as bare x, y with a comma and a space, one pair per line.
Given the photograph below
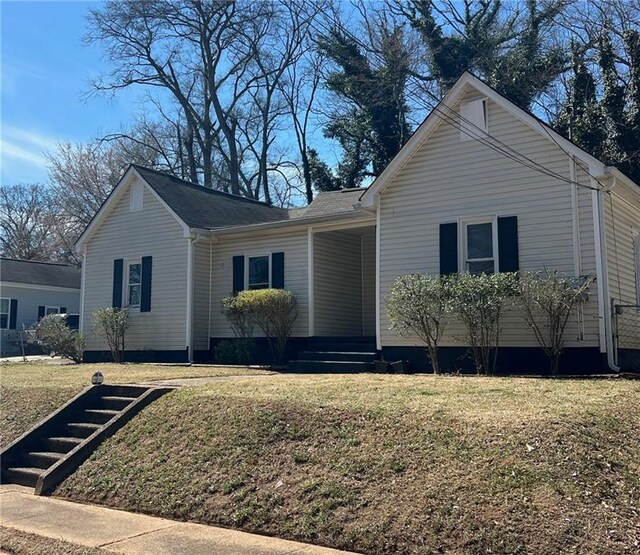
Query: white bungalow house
29, 290
478, 167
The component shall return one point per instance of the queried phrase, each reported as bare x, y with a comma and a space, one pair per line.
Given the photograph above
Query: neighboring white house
478, 167
30, 290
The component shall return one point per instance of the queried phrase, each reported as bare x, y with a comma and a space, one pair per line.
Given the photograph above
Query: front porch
342, 282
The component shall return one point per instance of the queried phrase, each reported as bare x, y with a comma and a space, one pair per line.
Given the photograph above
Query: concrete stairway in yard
336, 356
57, 446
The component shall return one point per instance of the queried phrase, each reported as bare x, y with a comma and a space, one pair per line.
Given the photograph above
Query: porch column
310, 283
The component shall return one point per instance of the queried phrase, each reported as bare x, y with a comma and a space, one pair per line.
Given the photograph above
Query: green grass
30, 391
388, 464
16, 542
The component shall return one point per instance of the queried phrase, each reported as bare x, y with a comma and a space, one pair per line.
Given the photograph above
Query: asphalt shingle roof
332, 202
39, 273
206, 208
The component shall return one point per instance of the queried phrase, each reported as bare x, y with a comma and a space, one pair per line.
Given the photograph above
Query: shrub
54, 335
112, 323
235, 351
479, 301
274, 311
418, 305
239, 317
548, 299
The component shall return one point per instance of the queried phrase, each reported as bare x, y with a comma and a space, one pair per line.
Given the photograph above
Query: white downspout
311, 282
604, 305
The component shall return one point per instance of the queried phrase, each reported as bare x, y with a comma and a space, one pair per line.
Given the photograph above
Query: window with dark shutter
238, 274
277, 270
145, 296
118, 265
448, 248
508, 255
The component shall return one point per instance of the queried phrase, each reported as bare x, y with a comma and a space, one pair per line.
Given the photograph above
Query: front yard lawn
16, 542
388, 464
29, 391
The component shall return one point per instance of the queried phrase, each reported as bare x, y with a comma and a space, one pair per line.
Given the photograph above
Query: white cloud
22, 152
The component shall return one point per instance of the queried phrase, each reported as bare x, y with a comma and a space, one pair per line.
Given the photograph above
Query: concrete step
82, 429
99, 416
349, 356
115, 402
342, 347
329, 366
24, 476
43, 459
123, 390
61, 444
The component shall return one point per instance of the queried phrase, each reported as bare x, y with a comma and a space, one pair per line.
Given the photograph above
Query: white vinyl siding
294, 245
201, 290
622, 218
448, 180
473, 119
369, 284
29, 299
337, 284
153, 231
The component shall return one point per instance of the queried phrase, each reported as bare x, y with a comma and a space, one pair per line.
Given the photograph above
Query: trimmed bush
112, 323
54, 335
548, 299
274, 311
479, 301
418, 305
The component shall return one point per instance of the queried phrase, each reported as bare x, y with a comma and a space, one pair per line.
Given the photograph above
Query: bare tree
221, 63
27, 222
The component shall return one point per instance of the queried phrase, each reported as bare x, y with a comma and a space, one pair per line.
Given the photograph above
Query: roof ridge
37, 261
205, 189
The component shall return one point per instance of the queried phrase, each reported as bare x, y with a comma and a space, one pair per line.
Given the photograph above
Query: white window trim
125, 292
8, 313
56, 308
474, 130
462, 240
246, 268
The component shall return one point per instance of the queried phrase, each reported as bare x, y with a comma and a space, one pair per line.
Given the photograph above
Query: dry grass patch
30, 391
20, 543
388, 464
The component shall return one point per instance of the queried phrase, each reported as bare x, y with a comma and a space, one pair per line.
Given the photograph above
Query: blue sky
45, 74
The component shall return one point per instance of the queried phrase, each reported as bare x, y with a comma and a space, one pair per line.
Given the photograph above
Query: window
51, 310
258, 272
134, 284
473, 119
135, 197
479, 241
4, 313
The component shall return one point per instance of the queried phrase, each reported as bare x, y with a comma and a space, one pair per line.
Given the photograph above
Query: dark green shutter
40, 313
238, 274
145, 296
13, 313
118, 265
63, 310
277, 270
508, 244
448, 249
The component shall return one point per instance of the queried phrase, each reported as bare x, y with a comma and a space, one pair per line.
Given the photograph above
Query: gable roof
203, 208
450, 100
33, 272
329, 202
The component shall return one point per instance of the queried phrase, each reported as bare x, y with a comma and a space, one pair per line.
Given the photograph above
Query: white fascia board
433, 121
40, 287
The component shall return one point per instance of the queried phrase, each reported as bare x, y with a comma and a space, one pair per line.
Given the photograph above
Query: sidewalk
134, 534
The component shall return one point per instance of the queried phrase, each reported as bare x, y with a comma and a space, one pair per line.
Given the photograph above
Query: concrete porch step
330, 366
349, 356
44, 459
22, 475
